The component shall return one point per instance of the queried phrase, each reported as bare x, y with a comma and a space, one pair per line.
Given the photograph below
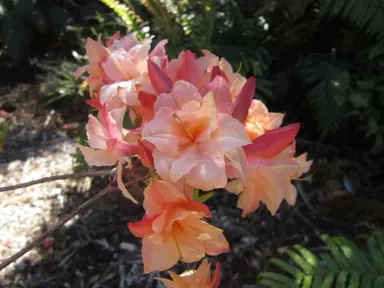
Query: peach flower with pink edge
269, 180
189, 68
96, 53
110, 143
172, 229
271, 167
259, 120
200, 278
192, 138
122, 60
235, 80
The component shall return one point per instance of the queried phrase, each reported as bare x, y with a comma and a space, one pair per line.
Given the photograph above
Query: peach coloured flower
271, 167
110, 143
189, 68
192, 138
235, 80
269, 180
260, 120
172, 228
96, 53
200, 278
108, 139
122, 60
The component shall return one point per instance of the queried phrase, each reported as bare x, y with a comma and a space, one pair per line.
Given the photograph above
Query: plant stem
59, 177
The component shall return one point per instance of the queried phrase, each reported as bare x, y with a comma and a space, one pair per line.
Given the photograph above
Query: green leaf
379, 282
355, 256
376, 51
360, 99
366, 280
328, 280
300, 261
3, 134
307, 255
307, 281
375, 253
271, 283
372, 127
366, 84
278, 278
354, 280
341, 279
340, 98
286, 267
341, 260
330, 262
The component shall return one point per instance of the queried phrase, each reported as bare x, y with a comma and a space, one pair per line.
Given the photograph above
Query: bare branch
68, 217
59, 177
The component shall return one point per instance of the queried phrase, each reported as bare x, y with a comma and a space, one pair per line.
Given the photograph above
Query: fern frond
344, 266
165, 18
328, 85
127, 15
365, 14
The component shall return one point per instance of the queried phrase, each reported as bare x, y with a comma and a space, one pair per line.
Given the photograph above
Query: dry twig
59, 177
82, 207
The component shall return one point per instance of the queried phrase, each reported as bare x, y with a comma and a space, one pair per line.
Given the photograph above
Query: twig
82, 207
59, 177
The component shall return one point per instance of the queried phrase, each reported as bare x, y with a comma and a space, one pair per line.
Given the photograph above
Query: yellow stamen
174, 115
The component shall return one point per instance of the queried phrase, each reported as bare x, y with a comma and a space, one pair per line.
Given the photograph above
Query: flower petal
208, 174
230, 133
159, 79
221, 93
244, 100
272, 142
159, 256
95, 157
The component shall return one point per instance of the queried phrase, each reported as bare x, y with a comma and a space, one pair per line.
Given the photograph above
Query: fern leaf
300, 261
328, 280
376, 254
307, 255
276, 277
127, 15
286, 267
341, 260
271, 283
379, 282
330, 262
344, 266
327, 84
355, 256
367, 14
354, 280
319, 277
366, 280
341, 279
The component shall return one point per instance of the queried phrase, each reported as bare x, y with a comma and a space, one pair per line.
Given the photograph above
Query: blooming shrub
198, 129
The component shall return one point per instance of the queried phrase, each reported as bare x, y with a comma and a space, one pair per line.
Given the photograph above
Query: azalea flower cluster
198, 128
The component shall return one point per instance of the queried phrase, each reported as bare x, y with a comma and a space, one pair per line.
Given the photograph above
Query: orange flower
172, 228
200, 278
269, 180
259, 120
